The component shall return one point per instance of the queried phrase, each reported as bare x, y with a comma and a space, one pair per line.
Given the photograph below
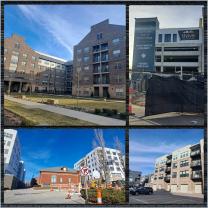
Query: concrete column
20, 88
9, 88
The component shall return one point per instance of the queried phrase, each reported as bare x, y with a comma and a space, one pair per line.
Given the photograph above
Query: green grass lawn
41, 117
90, 104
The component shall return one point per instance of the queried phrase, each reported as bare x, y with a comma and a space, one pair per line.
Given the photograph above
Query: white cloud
163, 148
60, 29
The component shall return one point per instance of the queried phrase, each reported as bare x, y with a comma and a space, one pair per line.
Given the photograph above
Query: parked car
141, 190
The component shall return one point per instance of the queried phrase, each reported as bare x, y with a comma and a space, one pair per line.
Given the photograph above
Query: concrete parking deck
30, 196
99, 120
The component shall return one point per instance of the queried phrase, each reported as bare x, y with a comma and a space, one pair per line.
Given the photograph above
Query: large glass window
86, 49
99, 36
167, 37
160, 38
116, 40
174, 37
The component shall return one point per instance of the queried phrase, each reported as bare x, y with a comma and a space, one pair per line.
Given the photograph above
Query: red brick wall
45, 178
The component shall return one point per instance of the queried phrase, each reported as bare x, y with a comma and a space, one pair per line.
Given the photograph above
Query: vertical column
9, 88
20, 88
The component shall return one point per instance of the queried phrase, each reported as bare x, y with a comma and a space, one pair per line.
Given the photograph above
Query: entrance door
96, 91
184, 188
198, 189
173, 188
105, 92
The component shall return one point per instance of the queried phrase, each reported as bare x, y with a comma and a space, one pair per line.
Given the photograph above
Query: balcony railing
168, 169
167, 178
195, 153
196, 175
196, 163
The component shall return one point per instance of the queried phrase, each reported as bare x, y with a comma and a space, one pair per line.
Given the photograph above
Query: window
33, 65
79, 59
5, 50
174, 37
23, 63
174, 165
87, 49
99, 36
79, 51
6, 151
8, 143
116, 53
118, 66
61, 180
4, 59
86, 67
114, 153
184, 173
158, 58
13, 67
15, 53
167, 37
24, 55
17, 45
184, 163
86, 58
33, 58
112, 168
116, 40
160, 38
14, 59
174, 175
53, 179
69, 180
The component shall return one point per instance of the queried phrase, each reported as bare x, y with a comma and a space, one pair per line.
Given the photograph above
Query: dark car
141, 190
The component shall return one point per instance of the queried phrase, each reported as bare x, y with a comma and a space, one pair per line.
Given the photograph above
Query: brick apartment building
182, 170
59, 178
26, 70
99, 62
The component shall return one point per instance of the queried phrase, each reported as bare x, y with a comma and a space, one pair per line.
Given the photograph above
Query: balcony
196, 175
196, 163
168, 169
195, 153
167, 178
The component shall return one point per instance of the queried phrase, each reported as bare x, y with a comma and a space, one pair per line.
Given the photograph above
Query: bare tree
102, 157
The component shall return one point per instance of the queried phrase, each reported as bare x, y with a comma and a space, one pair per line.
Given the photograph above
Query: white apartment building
12, 158
94, 161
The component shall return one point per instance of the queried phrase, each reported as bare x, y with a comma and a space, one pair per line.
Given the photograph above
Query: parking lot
30, 196
165, 197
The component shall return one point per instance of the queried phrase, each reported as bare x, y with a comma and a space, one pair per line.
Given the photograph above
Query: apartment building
167, 50
14, 171
27, 70
59, 178
182, 170
100, 62
108, 162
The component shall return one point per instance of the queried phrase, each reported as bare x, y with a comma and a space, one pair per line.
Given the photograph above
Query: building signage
84, 171
189, 34
144, 45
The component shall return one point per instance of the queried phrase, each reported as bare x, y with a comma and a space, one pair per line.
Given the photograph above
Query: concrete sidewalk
96, 119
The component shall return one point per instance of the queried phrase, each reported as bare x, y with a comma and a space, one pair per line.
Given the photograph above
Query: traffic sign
84, 171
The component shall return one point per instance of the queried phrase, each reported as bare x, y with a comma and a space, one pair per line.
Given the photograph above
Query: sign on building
144, 45
189, 34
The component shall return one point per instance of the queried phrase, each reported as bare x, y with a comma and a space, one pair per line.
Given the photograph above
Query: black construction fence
170, 94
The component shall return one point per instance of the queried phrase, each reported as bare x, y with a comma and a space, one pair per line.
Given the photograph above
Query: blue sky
145, 145
55, 29
44, 147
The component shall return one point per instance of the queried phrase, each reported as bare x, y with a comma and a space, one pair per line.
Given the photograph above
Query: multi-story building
100, 62
108, 162
59, 178
182, 170
26, 70
167, 50
13, 165
134, 178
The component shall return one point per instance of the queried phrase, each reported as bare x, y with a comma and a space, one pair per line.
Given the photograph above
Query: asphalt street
30, 196
165, 197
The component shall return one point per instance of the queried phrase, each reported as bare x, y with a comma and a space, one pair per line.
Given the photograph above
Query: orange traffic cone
99, 196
